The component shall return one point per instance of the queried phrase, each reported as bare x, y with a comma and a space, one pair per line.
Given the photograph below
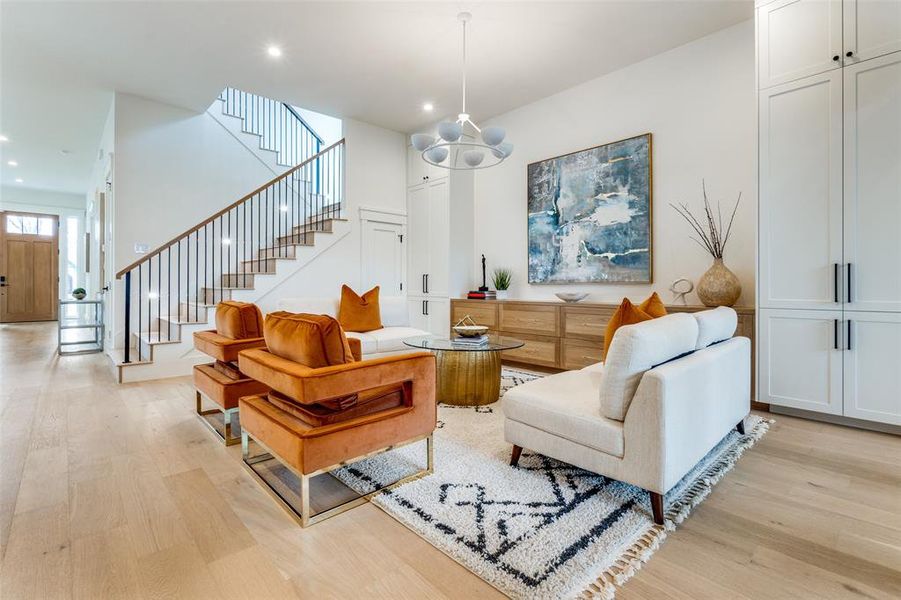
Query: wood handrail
240, 201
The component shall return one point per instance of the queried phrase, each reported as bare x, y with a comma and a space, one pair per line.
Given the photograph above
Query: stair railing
175, 282
280, 127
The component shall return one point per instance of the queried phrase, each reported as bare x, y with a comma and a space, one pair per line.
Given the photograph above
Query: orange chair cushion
359, 313
653, 306
238, 320
626, 314
224, 348
224, 390
366, 402
311, 340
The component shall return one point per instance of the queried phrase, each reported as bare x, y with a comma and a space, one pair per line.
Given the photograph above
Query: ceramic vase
719, 286
501, 294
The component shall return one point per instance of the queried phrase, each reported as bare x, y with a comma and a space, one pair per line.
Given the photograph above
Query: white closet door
439, 238
416, 311
438, 316
798, 38
418, 238
417, 169
800, 238
383, 257
872, 210
800, 361
873, 366
872, 28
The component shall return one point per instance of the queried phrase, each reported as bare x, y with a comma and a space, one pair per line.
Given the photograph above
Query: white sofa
382, 342
670, 390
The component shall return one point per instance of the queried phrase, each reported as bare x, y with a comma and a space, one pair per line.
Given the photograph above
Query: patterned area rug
543, 530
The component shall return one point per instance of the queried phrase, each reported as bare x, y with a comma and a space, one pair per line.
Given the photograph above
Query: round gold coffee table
468, 375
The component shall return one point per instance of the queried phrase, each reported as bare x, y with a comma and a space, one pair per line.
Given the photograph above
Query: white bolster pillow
715, 325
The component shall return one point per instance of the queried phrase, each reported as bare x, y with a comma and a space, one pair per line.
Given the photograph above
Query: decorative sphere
493, 135
450, 132
473, 158
437, 155
421, 141
506, 148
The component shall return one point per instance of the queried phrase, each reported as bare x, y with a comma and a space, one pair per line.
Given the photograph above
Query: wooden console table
566, 336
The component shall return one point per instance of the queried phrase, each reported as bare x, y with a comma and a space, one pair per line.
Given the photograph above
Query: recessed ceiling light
3, 138
12, 163
274, 51
428, 107
19, 180
65, 152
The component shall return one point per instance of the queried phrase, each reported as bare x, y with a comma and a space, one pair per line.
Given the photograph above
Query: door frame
4, 266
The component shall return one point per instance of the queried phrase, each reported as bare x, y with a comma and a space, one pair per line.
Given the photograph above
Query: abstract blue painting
590, 215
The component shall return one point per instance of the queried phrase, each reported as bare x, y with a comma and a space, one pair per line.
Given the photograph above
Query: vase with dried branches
718, 286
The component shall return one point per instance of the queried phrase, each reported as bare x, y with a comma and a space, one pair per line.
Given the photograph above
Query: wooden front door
29, 267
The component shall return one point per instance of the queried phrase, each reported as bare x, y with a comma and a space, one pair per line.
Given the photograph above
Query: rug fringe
625, 567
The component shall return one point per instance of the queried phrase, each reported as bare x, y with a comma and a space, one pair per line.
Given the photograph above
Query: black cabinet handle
426, 284
836, 58
835, 334
426, 302
849, 53
423, 283
849, 283
422, 308
835, 294
848, 345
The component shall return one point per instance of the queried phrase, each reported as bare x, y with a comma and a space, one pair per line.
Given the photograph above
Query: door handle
423, 283
426, 283
835, 283
835, 334
848, 345
426, 303
849, 283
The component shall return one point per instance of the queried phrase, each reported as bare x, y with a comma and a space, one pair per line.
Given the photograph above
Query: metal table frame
95, 345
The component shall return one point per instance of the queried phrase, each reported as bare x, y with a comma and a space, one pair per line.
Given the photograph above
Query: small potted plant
79, 293
501, 279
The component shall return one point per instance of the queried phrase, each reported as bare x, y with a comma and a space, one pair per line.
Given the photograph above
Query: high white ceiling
372, 61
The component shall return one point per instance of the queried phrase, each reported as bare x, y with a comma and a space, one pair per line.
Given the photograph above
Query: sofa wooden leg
657, 507
740, 427
514, 457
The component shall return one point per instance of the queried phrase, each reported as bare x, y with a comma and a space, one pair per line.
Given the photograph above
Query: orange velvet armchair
326, 408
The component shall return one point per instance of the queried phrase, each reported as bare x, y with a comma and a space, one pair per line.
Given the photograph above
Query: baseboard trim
836, 419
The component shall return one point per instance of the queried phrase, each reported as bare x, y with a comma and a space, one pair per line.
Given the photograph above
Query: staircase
242, 252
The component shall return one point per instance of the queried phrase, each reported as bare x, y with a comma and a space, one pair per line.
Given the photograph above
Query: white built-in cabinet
829, 235
799, 38
440, 235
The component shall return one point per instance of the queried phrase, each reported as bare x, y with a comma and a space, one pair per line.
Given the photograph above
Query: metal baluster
140, 302
159, 294
178, 284
169, 293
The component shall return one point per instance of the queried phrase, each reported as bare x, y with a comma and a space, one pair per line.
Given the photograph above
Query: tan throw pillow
359, 313
312, 340
238, 320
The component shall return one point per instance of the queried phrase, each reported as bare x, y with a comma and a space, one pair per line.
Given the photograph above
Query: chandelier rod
464, 65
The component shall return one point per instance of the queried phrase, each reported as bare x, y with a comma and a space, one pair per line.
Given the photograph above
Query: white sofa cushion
368, 344
715, 325
566, 405
637, 348
312, 306
391, 339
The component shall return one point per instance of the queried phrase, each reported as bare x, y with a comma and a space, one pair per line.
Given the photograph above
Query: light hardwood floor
118, 491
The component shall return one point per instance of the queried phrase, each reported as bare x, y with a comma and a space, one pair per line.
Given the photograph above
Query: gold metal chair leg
304, 514
227, 432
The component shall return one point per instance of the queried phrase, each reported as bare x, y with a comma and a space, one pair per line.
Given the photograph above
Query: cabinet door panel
417, 169
416, 309
481, 311
578, 354
800, 366
537, 350
438, 316
586, 323
439, 238
417, 238
872, 378
798, 38
801, 193
872, 28
529, 318
872, 183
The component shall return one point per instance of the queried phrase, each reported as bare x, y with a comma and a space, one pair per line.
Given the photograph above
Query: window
22, 224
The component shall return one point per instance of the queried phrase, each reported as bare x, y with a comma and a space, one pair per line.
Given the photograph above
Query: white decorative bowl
470, 330
571, 296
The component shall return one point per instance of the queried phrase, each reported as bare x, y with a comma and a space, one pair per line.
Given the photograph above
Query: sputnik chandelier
454, 148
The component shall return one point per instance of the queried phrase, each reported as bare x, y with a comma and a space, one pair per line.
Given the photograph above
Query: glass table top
495, 343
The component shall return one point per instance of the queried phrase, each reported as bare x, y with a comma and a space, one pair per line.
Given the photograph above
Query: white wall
698, 101
173, 169
64, 205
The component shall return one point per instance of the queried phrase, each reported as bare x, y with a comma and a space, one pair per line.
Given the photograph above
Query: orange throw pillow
238, 320
626, 314
653, 306
312, 340
359, 313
